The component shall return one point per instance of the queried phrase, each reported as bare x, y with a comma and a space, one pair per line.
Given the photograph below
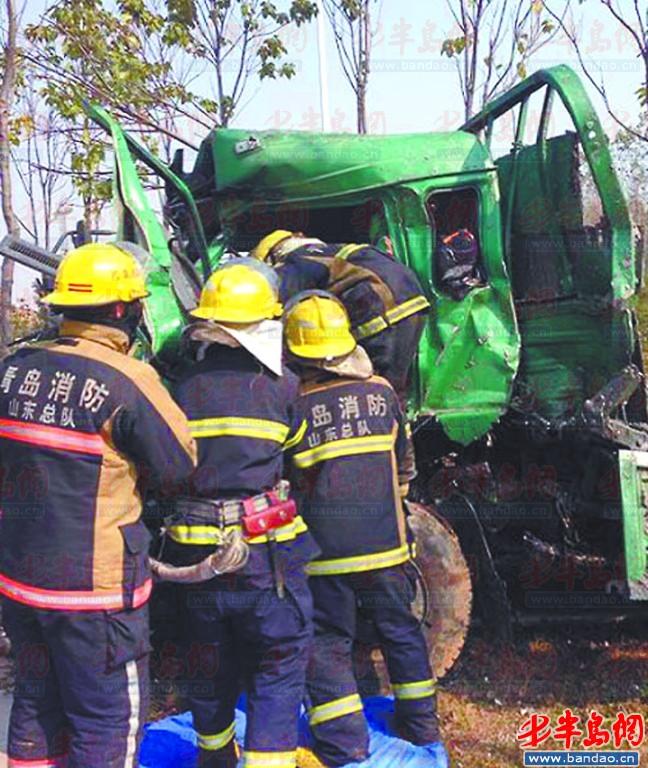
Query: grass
494, 689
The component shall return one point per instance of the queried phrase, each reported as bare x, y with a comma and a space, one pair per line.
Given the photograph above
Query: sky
412, 86
415, 88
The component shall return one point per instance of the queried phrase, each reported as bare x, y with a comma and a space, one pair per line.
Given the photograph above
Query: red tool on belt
278, 512
263, 515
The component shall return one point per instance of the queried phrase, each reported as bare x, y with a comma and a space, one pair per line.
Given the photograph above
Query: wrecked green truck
527, 401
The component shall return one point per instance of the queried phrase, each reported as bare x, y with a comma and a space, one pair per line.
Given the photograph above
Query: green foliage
453, 46
270, 50
85, 44
352, 9
90, 50
246, 32
187, 12
25, 320
125, 54
495, 53
20, 126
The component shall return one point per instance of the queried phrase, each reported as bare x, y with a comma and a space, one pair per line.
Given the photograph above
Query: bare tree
237, 39
7, 97
39, 162
631, 16
140, 59
496, 40
351, 22
121, 56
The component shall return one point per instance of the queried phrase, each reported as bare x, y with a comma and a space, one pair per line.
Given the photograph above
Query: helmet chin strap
132, 319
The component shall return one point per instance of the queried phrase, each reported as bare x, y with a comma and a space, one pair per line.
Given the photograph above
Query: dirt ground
492, 690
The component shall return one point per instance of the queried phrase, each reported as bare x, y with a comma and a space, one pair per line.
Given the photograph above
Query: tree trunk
361, 101
364, 52
645, 85
7, 95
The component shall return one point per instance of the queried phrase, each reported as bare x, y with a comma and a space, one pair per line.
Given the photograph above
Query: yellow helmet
317, 327
262, 249
96, 274
241, 292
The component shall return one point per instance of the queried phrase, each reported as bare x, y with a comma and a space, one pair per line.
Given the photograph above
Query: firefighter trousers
256, 642
335, 710
82, 691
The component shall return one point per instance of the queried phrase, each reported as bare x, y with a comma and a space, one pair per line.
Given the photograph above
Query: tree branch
599, 87
7, 97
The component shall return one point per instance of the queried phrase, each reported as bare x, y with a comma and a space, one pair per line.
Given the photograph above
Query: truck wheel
443, 602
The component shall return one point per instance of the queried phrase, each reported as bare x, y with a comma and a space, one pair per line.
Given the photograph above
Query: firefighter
383, 297
353, 472
84, 428
241, 405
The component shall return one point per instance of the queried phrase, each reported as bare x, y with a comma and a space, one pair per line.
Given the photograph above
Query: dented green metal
137, 222
546, 330
470, 351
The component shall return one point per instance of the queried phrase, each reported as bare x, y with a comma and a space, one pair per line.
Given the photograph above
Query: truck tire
443, 602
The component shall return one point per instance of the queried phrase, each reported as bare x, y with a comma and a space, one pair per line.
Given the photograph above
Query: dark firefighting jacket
83, 428
243, 418
349, 465
376, 290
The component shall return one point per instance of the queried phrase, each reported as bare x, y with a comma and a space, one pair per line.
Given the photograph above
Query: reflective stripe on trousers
346, 705
215, 741
243, 628
269, 759
92, 693
132, 675
416, 690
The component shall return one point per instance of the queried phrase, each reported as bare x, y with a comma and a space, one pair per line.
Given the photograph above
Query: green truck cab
527, 402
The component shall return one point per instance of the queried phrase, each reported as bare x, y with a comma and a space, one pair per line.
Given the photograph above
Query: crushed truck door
572, 271
470, 349
633, 469
572, 275
172, 281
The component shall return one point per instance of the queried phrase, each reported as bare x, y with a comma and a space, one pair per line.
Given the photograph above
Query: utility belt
268, 518
390, 317
204, 521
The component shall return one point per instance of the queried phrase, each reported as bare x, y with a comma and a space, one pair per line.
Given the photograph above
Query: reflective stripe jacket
348, 466
82, 428
243, 418
376, 290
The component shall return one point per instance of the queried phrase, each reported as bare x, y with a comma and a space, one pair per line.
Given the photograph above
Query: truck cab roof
290, 166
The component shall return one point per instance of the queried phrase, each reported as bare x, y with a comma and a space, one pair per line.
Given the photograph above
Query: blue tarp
171, 743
